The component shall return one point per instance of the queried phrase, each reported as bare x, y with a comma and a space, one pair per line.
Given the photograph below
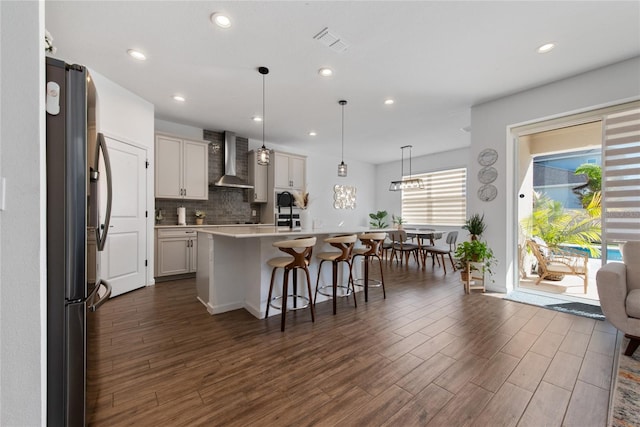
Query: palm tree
587, 191
556, 225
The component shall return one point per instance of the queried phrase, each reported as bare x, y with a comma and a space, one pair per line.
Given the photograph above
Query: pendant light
263, 152
342, 167
405, 184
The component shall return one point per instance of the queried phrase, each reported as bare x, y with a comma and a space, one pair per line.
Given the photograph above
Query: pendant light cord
342, 156
402, 161
263, 111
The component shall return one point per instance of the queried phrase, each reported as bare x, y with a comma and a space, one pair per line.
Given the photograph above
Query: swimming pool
613, 253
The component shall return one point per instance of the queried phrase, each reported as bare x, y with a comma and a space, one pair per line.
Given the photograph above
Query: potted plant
475, 225
200, 216
398, 221
472, 256
378, 219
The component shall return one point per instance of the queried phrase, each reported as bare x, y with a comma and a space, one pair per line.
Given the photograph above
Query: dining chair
441, 251
401, 248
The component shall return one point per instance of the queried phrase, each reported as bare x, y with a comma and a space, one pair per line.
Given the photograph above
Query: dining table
422, 236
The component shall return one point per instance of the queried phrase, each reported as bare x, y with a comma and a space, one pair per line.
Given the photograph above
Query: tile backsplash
225, 205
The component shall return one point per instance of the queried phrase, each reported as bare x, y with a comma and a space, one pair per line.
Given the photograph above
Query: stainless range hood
229, 179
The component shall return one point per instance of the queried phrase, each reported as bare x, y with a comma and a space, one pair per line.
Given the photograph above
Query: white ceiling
435, 58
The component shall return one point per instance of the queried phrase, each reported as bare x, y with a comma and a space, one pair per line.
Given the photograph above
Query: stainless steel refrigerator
76, 231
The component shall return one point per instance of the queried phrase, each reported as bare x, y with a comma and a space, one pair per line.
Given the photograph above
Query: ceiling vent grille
331, 40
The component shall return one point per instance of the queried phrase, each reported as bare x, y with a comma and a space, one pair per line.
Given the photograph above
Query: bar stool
300, 251
373, 248
345, 244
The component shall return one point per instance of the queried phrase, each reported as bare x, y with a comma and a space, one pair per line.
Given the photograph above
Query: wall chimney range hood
229, 179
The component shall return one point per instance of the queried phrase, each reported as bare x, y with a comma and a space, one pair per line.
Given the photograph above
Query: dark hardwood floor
427, 355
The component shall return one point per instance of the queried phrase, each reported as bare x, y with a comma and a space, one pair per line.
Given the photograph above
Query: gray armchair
619, 291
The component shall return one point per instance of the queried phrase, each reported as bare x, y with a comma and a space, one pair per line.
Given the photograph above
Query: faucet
290, 207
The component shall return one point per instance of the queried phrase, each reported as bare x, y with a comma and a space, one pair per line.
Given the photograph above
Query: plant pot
199, 221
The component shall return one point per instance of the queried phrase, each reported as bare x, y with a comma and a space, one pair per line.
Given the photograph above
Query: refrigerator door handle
101, 239
94, 305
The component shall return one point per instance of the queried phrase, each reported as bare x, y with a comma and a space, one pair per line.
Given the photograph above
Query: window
621, 176
442, 201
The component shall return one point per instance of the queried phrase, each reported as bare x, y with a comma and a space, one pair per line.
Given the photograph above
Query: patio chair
554, 263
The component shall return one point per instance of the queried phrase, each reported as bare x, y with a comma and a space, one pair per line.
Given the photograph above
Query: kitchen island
232, 269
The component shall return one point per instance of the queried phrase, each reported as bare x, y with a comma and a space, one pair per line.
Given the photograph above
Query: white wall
122, 113
22, 224
178, 129
490, 121
322, 175
129, 118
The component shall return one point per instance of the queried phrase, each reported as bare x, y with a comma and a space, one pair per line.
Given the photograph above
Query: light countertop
212, 225
250, 231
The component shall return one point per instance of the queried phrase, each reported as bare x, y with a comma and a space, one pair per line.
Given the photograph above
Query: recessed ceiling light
136, 54
312, 133
222, 21
256, 118
178, 98
325, 72
388, 101
546, 47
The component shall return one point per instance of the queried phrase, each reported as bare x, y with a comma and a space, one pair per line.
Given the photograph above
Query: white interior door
123, 260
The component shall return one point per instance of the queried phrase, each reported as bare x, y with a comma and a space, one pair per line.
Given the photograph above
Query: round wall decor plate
487, 157
487, 192
487, 174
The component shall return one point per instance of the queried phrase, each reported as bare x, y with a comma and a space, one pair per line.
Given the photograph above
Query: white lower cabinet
176, 251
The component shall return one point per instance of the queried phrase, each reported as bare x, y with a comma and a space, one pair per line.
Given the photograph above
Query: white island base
232, 268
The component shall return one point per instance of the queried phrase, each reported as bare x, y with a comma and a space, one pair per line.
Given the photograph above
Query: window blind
621, 177
442, 201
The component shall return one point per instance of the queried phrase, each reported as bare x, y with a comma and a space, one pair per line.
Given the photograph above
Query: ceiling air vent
331, 40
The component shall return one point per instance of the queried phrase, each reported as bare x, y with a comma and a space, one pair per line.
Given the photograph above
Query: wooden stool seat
280, 262
329, 256
360, 251
345, 244
372, 250
300, 251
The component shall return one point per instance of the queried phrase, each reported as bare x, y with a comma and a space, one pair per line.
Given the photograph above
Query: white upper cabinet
289, 171
257, 178
181, 169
